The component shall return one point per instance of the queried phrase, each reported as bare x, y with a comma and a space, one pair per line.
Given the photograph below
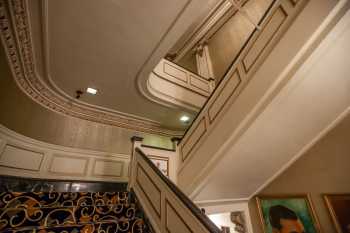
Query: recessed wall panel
175, 72
264, 38
104, 167
226, 92
174, 222
68, 165
149, 188
21, 158
193, 139
200, 84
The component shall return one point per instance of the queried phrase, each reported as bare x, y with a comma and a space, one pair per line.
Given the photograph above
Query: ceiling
107, 45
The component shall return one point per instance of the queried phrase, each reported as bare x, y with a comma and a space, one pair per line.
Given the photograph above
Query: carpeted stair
71, 212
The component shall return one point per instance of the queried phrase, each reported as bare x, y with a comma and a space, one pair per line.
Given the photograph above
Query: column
204, 65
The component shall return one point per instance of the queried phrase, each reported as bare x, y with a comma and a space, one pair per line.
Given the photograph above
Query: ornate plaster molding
16, 38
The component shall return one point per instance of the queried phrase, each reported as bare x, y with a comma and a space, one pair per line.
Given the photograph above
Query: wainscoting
21, 156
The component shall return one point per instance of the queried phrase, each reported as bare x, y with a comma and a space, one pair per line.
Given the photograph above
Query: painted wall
323, 169
219, 212
189, 62
226, 43
22, 115
223, 220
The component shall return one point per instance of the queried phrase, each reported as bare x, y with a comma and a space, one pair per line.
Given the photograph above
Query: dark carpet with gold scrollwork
70, 212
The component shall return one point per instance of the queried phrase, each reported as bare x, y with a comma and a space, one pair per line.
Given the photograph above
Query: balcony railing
171, 84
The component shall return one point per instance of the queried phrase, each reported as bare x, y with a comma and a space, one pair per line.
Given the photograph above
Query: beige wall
226, 43
323, 169
24, 116
189, 62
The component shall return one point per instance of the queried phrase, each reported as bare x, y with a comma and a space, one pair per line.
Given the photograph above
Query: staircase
57, 206
70, 212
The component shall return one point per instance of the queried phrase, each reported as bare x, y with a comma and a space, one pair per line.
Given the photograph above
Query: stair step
137, 227
47, 199
70, 212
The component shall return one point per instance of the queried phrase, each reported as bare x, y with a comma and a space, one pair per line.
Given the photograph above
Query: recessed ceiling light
185, 118
92, 91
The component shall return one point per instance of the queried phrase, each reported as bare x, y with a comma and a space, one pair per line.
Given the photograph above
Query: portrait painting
287, 214
162, 163
339, 209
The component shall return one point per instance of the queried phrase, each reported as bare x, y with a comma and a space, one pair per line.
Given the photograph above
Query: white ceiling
106, 45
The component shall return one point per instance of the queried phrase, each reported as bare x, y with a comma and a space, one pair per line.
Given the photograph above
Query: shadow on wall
324, 169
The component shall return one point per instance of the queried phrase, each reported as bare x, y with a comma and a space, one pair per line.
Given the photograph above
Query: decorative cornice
16, 38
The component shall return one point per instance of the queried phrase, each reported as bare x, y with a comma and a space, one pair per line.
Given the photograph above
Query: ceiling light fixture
185, 119
91, 91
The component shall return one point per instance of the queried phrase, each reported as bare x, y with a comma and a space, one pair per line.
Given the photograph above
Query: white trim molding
176, 87
25, 157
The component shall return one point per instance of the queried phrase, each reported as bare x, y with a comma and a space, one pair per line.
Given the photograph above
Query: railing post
175, 141
211, 84
136, 143
204, 64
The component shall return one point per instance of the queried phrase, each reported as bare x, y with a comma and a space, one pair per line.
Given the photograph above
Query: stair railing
167, 208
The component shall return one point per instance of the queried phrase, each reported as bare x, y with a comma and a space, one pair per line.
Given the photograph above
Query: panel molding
230, 95
173, 69
23, 149
243, 71
196, 140
260, 36
173, 86
168, 206
156, 209
122, 163
68, 159
184, 214
45, 168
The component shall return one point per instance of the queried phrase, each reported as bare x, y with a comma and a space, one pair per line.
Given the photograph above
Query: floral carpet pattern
71, 212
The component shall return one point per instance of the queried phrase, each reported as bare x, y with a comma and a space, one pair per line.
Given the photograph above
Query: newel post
176, 159
136, 143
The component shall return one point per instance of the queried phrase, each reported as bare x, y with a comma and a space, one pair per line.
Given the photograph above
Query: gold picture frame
300, 204
339, 214
159, 161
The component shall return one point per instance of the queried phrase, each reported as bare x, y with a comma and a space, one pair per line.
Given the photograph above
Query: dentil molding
16, 38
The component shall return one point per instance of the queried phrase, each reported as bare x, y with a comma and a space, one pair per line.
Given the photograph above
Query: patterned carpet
70, 212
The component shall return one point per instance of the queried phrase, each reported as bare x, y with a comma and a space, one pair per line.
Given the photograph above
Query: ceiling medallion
16, 39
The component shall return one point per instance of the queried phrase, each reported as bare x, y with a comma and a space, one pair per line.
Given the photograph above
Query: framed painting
162, 163
339, 209
292, 214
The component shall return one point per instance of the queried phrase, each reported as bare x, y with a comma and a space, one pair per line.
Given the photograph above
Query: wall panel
25, 157
21, 158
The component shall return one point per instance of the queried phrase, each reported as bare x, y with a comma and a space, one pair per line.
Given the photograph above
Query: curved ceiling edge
153, 94
216, 10
16, 39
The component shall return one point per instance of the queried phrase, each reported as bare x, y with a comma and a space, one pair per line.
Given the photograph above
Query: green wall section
158, 141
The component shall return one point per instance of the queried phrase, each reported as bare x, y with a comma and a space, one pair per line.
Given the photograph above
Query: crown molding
16, 38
